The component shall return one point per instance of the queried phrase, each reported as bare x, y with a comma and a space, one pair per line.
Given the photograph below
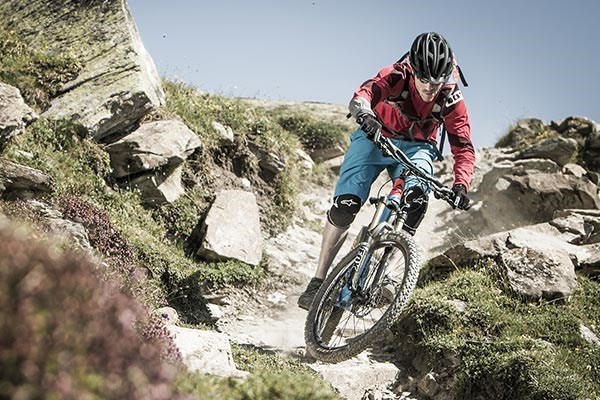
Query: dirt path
272, 321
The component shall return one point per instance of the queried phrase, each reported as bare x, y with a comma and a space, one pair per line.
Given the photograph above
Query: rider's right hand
369, 124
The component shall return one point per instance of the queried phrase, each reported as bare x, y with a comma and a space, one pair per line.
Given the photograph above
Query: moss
36, 71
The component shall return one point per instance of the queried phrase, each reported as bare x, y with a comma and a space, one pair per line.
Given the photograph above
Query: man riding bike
407, 102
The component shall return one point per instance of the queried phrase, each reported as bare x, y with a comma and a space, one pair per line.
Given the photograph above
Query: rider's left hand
461, 200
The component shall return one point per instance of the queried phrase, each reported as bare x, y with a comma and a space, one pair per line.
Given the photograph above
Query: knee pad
417, 202
344, 210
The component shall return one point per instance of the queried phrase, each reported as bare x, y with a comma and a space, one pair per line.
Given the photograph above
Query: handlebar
389, 149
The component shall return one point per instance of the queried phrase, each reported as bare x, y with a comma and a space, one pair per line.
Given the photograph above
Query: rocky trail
273, 322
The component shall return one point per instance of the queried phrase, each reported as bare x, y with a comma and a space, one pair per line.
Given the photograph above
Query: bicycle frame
378, 226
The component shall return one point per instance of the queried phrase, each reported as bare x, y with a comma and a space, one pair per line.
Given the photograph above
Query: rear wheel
342, 323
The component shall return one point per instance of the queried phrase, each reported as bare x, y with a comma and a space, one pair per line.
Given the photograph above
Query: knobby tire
333, 354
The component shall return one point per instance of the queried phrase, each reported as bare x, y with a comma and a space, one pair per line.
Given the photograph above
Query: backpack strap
440, 152
462, 76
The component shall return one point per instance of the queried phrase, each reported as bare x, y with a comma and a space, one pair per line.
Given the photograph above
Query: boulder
558, 149
306, 163
543, 194
231, 229
537, 261
533, 165
575, 170
525, 132
576, 127
591, 266
535, 274
351, 378
118, 83
154, 145
14, 113
511, 195
20, 182
159, 187
207, 352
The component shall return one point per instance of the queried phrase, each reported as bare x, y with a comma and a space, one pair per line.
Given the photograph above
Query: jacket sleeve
459, 135
387, 83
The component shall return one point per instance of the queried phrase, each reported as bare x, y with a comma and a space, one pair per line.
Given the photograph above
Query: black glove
369, 125
461, 200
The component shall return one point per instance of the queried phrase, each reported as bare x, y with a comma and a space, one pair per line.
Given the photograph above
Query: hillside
155, 238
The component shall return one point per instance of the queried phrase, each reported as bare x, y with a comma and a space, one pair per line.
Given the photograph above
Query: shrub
66, 334
313, 133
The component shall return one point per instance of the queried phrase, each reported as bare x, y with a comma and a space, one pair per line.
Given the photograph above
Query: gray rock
74, 232
593, 141
306, 163
575, 170
207, 352
576, 126
428, 385
320, 155
535, 274
559, 149
350, 377
20, 182
543, 194
225, 132
590, 266
232, 228
168, 315
588, 335
215, 310
159, 187
269, 162
14, 113
536, 165
118, 83
154, 145
537, 261
511, 197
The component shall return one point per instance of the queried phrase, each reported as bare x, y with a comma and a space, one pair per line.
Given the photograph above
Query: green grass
508, 348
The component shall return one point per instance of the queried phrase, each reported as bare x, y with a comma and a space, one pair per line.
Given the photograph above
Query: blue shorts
364, 162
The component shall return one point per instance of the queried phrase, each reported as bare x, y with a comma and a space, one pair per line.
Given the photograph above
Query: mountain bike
368, 289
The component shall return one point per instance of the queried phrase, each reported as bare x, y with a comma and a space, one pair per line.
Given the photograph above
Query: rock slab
232, 228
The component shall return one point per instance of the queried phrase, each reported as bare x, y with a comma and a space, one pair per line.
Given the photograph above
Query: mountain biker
407, 101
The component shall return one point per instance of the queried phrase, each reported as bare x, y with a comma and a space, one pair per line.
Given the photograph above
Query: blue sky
521, 58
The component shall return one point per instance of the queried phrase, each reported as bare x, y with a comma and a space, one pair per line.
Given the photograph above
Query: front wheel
342, 322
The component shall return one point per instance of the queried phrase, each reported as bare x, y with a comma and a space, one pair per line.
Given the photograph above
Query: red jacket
396, 102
